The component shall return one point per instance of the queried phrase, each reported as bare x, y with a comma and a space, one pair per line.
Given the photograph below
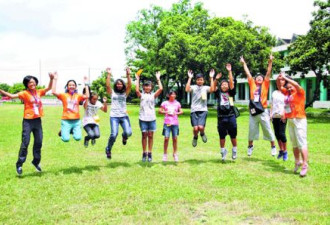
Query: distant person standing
258, 107
199, 109
33, 111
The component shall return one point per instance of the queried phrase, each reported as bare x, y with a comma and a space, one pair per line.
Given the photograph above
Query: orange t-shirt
32, 103
295, 104
264, 90
70, 105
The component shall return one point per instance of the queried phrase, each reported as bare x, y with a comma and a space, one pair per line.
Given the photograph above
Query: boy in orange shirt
297, 122
258, 107
33, 112
70, 116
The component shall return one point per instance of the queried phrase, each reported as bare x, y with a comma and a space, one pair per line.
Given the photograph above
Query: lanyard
36, 99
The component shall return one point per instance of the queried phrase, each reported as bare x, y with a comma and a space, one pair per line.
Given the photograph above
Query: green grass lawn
80, 186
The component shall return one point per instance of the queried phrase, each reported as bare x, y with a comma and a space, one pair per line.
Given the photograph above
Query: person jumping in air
198, 113
297, 122
70, 116
277, 114
171, 109
33, 111
147, 115
226, 116
118, 112
258, 106
91, 119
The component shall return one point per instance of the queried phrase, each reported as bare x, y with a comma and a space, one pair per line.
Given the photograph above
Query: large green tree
187, 37
310, 52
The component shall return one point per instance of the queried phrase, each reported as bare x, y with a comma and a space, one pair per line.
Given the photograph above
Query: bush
135, 101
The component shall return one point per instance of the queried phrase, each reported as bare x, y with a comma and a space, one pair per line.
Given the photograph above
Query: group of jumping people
288, 107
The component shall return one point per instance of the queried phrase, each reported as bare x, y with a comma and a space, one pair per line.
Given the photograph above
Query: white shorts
264, 120
298, 132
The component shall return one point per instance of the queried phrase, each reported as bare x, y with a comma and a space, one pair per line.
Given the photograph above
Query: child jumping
171, 109
198, 113
226, 116
33, 111
70, 116
91, 119
147, 115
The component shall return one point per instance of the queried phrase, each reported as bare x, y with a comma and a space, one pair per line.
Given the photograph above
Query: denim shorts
147, 125
198, 118
168, 129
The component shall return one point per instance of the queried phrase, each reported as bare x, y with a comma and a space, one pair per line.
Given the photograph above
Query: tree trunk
316, 95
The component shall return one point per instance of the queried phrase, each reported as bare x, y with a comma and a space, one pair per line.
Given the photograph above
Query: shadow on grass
35, 174
118, 164
78, 170
276, 167
199, 161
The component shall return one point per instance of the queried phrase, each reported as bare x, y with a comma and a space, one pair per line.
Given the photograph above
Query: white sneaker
273, 151
250, 150
233, 154
176, 157
224, 153
165, 158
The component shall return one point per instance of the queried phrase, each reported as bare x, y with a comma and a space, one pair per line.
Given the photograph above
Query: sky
80, 38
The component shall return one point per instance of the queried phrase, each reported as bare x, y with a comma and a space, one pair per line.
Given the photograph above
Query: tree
310, 52
4, 87
187, 37
17, 87
99, 86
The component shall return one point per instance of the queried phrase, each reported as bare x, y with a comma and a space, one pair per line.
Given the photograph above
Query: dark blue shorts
198, 118
227, 125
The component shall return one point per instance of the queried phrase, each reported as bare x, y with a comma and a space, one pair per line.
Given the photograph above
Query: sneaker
86, 142
303, 171
93, 141
233, 154
297, 166
280, 154
250, 150
204, 138
149, 157
285, 156
124, 141
19, 171
224, 153
194, 142
176, 157
144, 157
38, 168
108, 153
273, 151
165, 158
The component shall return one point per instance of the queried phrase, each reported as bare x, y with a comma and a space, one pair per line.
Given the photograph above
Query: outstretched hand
108, 70
219, 75
190, 74
128, 71
271, 58
212, 72
228, 66
105, 99
51, 75
242, 60
158, 75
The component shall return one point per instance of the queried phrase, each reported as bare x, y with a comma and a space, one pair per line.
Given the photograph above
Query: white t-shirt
147, 107
118, 105
199, 99
91, 112
277, 104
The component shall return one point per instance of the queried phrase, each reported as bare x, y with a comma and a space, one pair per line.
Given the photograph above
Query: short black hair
199, 75
115, 86
28, 78
169, 94
67, 83
147, 83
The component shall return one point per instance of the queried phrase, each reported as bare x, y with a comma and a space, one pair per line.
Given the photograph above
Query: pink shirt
171, 118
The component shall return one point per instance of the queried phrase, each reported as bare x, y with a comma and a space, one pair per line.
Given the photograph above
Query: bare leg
222, 143
144, 141
175, 145
150, 140
195, 131
165, 144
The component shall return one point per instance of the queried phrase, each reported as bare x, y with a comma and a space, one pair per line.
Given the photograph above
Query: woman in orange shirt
33, 112
70, 116
297, 122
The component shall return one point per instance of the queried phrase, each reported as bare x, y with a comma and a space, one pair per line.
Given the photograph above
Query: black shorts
227, 125
198, 118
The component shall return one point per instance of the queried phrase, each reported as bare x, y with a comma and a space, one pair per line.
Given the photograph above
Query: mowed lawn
80, 186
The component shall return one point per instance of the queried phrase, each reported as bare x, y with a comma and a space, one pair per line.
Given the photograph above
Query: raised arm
87, 94
294, 83
160, 89
230, 76
105, 105
212, 72
108, 80
137, 85
246, 69
269, 68
50, 85
129, 81
8, 94
190, 76
54, 85
215, 83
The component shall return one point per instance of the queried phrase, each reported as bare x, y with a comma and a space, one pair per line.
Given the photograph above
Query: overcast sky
71, 36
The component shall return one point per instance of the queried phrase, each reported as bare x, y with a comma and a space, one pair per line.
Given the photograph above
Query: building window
241, 91
328, 94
